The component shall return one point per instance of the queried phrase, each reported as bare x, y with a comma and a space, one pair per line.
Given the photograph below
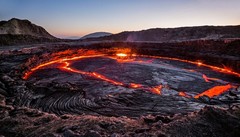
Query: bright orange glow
96, 75
29, 73
222, 70
184, 95
215, 91
121, 55
133, 55
207, 79
91, 74
133, 85
157, 89
199, 63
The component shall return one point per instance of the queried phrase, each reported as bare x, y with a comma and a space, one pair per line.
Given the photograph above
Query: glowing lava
224, 70
199, 63
66, 67
157, 89
215, 91
207, 79
121, 55
29, 73
91, 74
218, 69
184, 94
133, 85
106, 79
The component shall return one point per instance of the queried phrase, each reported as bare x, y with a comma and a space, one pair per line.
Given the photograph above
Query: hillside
177, 34
96, 35
16, 31
23, 27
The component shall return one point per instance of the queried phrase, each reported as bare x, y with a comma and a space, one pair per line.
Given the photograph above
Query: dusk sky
63, 18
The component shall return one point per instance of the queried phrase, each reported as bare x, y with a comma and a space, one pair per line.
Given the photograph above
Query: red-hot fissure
214, 91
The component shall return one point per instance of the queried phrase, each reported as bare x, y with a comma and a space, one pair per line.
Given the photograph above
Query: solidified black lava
53, 102
70, 92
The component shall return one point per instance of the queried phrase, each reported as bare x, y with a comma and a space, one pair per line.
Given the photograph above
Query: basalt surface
67, 90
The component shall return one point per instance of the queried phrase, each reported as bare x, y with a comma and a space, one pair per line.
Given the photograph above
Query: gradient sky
64, 18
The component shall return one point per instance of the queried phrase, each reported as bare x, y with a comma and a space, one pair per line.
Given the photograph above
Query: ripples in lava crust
128, 85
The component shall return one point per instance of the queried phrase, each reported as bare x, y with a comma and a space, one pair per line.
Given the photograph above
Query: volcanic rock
2, 100
57, 105
7, 79
92, 133
3, 92
70, 133
16, 26
204, 123
2, 85
207, 122
16, 31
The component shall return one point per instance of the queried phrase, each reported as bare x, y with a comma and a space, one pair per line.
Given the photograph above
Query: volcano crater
105, 84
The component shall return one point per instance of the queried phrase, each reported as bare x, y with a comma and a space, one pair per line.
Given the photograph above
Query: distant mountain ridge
96, 35
18, 32
23, 27
176, 34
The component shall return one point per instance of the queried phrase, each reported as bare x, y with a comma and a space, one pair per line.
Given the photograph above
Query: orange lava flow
29, 73
121, 55
157, 89
66, 67
99, 76
223, 70
207, 79
91, 74
215, 91
133, 85
183, 94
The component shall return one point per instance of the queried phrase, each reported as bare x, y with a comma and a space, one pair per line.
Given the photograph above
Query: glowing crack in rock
121, 55
66, 67
217, 90
207, 79
218, 69
184, 94
91, 74
29, 73
133, 85
157, 89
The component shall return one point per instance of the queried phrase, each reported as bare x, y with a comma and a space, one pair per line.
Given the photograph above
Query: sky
65, 18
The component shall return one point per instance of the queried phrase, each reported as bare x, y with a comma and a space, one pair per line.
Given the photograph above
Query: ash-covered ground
107, 95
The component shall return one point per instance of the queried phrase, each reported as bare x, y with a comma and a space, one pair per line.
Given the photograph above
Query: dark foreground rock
207, 122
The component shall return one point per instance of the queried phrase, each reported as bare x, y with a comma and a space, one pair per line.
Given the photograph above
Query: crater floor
76, 90
129, 86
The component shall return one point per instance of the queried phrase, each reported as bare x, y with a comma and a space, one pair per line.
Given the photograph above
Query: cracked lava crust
127, 84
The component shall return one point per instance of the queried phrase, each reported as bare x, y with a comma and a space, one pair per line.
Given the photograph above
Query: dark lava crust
55, 108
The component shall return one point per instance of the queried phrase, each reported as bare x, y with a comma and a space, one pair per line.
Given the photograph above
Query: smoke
132, 37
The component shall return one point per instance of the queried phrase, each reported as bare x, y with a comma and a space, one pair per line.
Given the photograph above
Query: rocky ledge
210, 121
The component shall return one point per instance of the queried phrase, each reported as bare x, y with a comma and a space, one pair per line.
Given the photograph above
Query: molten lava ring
96, 84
